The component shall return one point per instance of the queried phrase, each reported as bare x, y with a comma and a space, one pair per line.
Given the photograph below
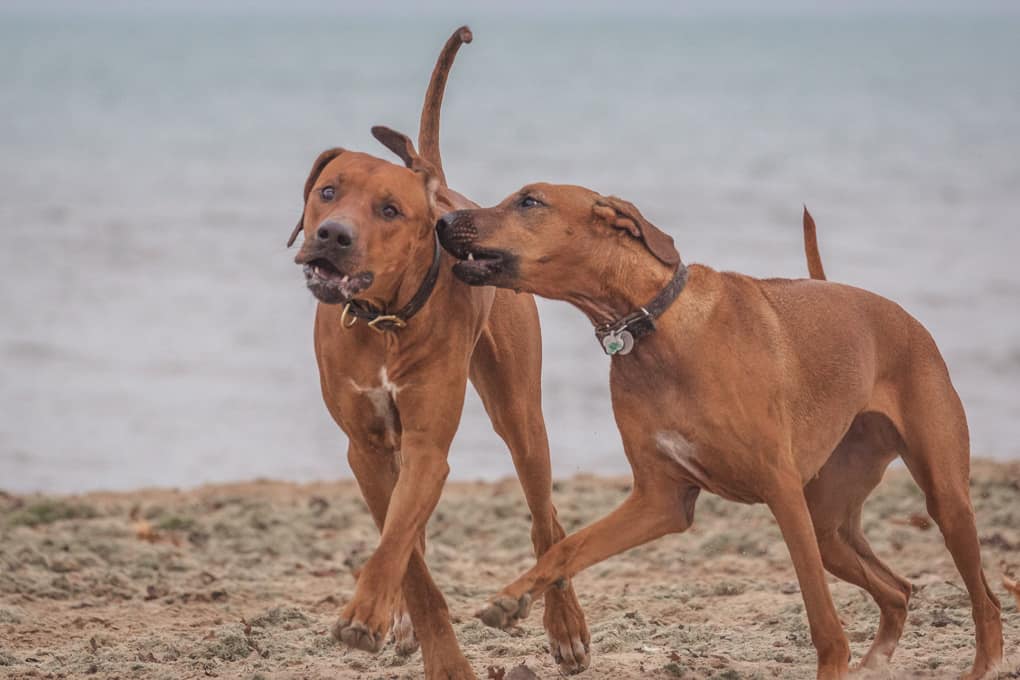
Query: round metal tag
611, 344
618, 342
628, 342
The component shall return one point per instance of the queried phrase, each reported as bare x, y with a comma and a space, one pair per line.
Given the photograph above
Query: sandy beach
243, 581
158, 337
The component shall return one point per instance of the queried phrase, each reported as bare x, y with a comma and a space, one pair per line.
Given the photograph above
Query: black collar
378, 319
617, 337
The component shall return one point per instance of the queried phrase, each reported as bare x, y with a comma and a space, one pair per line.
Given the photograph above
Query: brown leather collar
379, 319
618, 337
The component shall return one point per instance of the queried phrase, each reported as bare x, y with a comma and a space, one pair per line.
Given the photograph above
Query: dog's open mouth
331, 285
478, 266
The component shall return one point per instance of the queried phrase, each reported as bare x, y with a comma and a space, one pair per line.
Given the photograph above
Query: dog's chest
704, 467
374, 406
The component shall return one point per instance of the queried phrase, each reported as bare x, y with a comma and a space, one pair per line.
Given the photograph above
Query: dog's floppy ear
398, 143
401, 144
621, 214
317, 167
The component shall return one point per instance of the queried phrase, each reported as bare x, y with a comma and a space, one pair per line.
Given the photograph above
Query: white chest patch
383, 403
684, 453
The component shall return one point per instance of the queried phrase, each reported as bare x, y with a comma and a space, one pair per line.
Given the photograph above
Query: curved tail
428, 131
814, 258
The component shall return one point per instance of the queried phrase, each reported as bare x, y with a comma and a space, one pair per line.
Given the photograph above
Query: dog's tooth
344, 279
471, 257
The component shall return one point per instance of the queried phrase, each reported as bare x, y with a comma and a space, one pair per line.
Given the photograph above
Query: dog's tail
814, 258
428, 131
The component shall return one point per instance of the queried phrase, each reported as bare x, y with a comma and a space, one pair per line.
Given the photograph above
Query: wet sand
244, 581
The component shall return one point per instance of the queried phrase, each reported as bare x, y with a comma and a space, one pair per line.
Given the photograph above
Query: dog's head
363, 219
543, 237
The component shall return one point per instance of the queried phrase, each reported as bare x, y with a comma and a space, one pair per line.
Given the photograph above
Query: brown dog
795, 393
397, 337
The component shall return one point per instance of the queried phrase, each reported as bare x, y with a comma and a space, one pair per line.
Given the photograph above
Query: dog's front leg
377, 476
428, 426
654, 508
786, 500
367, 617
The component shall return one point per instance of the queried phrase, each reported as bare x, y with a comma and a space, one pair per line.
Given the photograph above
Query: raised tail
814, 258
428, 131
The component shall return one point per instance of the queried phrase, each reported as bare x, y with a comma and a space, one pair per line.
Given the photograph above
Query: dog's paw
358, 635
405, 642
453, 670
505, 611
569, 640
365, 622
573, 655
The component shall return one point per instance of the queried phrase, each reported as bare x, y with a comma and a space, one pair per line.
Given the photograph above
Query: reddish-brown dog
397, 338
795, 393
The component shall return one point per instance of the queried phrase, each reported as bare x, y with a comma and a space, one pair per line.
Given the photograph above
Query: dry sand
244, 580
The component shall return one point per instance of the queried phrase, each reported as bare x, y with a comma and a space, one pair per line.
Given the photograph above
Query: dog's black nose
456, 231
335, 232
445, 222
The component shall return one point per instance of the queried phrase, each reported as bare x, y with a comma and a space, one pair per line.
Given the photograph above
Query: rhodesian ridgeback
397, 337
792, 393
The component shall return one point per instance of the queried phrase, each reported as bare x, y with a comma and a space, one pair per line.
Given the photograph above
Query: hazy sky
519, 7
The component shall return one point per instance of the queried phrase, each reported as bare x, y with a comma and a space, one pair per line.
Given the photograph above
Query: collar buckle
386, 322
380, 322
347, 314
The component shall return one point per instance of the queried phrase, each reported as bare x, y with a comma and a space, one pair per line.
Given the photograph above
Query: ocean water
154, 330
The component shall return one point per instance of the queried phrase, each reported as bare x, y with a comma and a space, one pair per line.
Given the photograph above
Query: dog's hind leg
506, 370
835, 497
937, 454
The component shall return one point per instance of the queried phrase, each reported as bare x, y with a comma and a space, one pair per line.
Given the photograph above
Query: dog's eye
390, 211
327, 193
530, 202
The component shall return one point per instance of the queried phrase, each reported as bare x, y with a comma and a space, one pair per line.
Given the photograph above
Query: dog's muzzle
456, 233
476, 266
327, 264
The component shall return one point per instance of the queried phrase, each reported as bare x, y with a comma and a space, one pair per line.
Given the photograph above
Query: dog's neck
415, 271
625, 286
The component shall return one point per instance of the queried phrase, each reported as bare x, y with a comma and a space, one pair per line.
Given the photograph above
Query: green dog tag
612, 344
618, 343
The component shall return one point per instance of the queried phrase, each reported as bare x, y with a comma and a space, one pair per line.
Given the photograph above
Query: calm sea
153, 329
